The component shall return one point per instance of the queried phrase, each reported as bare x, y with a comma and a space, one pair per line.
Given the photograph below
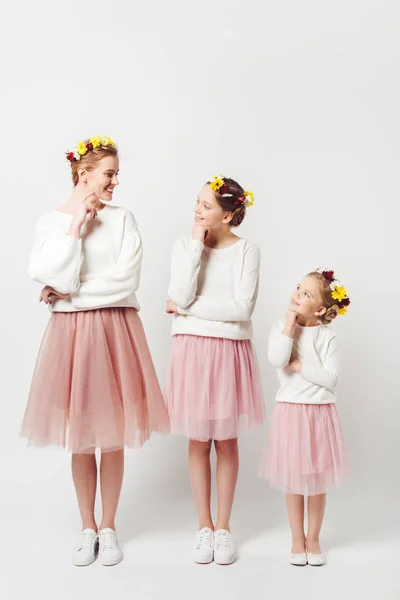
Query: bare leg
84, 474
227, 474
200, 479
316, 511
111, 476
295, 511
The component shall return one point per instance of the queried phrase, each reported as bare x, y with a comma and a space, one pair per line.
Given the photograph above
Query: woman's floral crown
338, 292
84, 147
218, 185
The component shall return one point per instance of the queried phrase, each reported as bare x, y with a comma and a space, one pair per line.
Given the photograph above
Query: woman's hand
171, 308
48, 295
89, 205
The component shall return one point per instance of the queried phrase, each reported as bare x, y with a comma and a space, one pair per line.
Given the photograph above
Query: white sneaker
204, 548
85, 551
224, 548
299, 560
316, 560
110, 553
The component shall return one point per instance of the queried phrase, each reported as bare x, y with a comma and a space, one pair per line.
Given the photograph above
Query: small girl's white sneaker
224, 548
299, 560
85, 551
204, 547
110, 553
316, 560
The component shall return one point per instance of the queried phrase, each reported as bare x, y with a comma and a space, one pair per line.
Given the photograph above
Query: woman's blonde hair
90, 159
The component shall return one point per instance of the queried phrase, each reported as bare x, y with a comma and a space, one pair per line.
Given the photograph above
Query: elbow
279, 362
180, 298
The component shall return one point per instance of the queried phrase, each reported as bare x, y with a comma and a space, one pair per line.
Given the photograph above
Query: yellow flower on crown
339, 293
106, 141
250, 199
81, 148
216, 183
342, 311
95, 141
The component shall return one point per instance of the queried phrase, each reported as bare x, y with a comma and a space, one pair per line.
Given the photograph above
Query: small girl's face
207, 211
306, 300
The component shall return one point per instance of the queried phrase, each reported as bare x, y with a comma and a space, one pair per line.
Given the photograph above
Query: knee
226, 448
196, 447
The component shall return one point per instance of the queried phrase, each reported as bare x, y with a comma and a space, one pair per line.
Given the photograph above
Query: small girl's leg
200, 479
316, 511
111, 477
227, 474
295, 511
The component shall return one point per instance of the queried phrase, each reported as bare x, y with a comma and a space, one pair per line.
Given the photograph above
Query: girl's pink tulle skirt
305, 451
94, 384
213, 389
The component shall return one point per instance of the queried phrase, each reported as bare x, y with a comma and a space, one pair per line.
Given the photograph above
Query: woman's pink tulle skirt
305, 451
94, 384
213, 389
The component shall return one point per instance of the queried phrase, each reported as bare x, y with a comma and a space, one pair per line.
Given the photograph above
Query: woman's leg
111, 476
227, 474
295, 511
84, 474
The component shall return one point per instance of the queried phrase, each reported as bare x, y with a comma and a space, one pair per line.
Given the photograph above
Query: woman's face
103, 179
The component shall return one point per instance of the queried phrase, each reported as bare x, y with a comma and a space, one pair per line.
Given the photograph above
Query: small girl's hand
291, 320
48, 295
295, 365
171, 308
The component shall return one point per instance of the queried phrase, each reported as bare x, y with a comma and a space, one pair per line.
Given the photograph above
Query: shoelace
223, 538
86, 540
204, 537
108, 540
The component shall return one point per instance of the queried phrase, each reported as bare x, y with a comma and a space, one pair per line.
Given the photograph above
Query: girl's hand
199, 233
171, 308
291, 320
48, 295
295, 365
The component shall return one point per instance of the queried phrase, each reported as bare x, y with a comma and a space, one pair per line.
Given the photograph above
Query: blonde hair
90, 159
331, 305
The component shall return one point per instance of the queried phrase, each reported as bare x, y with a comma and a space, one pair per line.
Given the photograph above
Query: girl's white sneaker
224, 548
110, 553
85, 551
204, 547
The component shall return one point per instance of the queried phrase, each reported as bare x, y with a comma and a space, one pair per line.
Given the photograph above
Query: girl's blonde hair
331, 305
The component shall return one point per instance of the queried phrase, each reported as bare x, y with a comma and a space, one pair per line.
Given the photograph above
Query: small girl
306, 451
214, 386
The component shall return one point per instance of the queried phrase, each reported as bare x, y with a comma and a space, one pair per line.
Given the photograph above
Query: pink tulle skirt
213, 389
305, 451
94, 384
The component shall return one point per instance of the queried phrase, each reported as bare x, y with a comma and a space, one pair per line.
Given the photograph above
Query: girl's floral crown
338, 292
84, 147
218, 185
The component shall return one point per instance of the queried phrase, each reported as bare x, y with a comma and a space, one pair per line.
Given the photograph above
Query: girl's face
306, 299
207, 211
103, 179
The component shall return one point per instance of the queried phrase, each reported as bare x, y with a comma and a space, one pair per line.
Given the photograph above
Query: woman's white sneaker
110, 553
85, 551
224, 548
204, 548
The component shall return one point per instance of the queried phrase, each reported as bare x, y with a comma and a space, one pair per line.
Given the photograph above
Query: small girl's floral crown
218, 185
338, 292
84, 147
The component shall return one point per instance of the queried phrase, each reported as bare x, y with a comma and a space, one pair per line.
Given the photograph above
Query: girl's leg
111, 476
316, 511
84, 474
227, 474
200, 479
295, 511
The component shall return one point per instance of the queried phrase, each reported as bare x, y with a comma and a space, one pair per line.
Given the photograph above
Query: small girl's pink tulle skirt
213, 389
305, 453
94, 384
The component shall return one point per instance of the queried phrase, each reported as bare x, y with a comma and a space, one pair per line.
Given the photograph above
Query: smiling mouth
295, 303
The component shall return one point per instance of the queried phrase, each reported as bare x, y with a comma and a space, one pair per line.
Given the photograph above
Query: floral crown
85, 146
218, 185
338, 292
